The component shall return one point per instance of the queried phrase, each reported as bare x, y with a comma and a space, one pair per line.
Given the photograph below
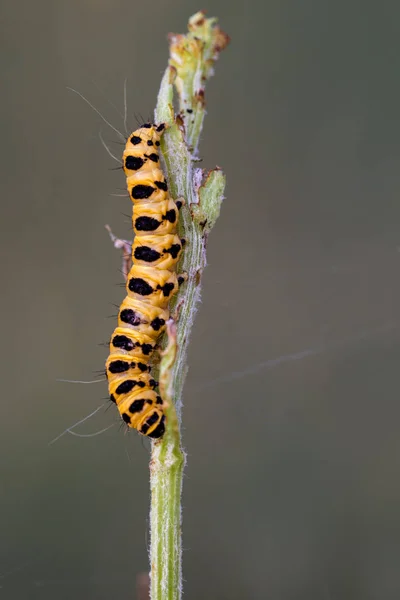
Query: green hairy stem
191, 63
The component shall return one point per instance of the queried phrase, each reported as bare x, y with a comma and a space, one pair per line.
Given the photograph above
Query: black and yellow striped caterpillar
150, 284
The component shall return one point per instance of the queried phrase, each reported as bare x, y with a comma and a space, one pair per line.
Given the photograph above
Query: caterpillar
150, 284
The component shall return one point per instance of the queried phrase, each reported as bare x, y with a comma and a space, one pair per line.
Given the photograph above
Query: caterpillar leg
176, 312
126, 251
182, 277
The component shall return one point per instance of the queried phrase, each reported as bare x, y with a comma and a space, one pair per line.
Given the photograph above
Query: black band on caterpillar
150, 284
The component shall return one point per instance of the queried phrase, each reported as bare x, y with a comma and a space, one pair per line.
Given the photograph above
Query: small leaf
210, 197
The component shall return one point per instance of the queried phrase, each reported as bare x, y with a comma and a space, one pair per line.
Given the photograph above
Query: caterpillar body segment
135, 344
156, 250
142, 317
123, 363
150, 284
122, 388
159, 219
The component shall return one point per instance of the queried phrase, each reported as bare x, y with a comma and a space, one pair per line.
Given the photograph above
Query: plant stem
191, 60
166, 469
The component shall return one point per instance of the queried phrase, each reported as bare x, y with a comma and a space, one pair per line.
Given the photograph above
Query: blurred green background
291, 412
